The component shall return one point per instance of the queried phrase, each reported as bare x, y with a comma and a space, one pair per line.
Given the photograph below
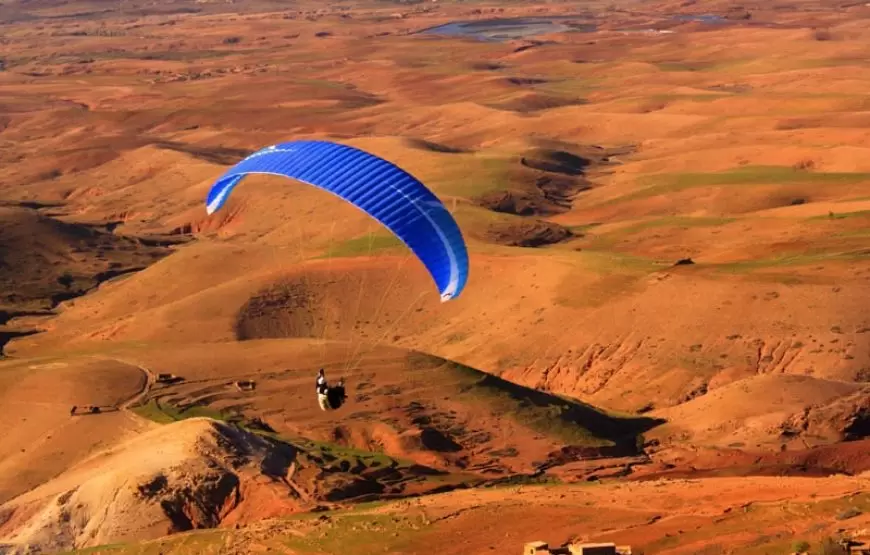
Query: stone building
542, 548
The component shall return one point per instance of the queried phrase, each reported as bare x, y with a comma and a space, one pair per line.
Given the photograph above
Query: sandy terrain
188, 475
754, 515
43, 439
582, 156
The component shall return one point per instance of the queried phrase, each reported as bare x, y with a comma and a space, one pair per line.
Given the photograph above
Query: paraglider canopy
381, 189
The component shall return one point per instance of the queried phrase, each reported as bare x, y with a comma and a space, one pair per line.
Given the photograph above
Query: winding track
125, 405
146, 387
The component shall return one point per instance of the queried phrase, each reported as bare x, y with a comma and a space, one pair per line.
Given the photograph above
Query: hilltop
193, 474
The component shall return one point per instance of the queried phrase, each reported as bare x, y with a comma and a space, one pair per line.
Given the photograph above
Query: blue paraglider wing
379, 188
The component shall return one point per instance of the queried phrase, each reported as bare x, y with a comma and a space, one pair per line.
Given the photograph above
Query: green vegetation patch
700, 97
570, 87
760, 175
360, 534
582, 229
747, 175
842, 215
330, 455
205, 542
365, 245
597, 293
165, 413
470, 175
683, 222
791, 260
163, 55
323, 83
777, 527
339, 455
738, 64
571, 421
615, 273
684, 66
853, 233
606, 263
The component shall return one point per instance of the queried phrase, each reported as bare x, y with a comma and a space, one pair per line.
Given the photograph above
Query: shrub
830, 546
822, 35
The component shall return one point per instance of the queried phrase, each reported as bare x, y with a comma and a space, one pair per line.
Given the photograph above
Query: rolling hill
666, 212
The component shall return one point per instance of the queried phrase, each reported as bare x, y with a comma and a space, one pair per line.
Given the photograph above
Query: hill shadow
549, 177
556, 161
537, 102
7, 336
423, 144
586, 430
216, 155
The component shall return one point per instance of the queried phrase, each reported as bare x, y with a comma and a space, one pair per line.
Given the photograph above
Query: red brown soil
846, 458
752, 515
406, 405
42, 439
197, 478
580, 166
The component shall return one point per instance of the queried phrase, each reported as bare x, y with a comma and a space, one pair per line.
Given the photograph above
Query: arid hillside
742, 515
667, 212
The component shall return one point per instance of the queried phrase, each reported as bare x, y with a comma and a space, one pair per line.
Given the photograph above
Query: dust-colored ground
41, 438
582, 162
724, 515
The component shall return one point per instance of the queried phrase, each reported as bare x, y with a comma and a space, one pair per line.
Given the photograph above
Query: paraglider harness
330, 398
